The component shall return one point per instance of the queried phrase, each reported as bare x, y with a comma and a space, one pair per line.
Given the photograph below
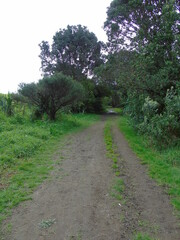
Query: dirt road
76, 202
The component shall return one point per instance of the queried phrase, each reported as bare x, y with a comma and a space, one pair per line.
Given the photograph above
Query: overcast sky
25, 23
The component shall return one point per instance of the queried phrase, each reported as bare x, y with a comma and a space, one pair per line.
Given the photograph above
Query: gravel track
76, 200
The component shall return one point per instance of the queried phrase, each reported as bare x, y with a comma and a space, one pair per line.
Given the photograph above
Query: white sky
25, 23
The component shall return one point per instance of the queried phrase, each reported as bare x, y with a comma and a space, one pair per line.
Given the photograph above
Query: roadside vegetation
137, 72
143, 74
163, 164
27, 149
118, 187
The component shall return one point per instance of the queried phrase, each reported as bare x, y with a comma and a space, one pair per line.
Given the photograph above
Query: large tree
152, 29
52, 93
117, 74
138, 22
75, 51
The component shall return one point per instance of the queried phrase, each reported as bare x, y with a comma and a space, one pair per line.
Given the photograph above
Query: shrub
163, 127
52, 93
6, 104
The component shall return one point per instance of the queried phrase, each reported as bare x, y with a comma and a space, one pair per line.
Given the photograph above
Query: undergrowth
26, 153
164, 165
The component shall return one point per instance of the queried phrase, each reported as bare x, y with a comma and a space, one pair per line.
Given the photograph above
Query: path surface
78, 201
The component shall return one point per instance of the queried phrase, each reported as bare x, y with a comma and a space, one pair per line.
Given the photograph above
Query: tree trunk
52, 115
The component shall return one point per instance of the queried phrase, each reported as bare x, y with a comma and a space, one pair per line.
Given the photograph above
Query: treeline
68, 75
144, 64
138, 69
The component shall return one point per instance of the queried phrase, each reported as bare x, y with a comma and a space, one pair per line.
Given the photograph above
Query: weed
114, 159
122, 218
46, 223
141, 236
118, 189
78, 237
143, 223
154, 228
115, 166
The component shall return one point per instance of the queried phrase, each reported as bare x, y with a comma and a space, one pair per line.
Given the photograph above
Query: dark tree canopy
138, 22
118, 75
144, 44
118, 65
152, 28
75, 51
52, 93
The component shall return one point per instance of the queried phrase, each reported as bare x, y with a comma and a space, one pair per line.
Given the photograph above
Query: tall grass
26, 150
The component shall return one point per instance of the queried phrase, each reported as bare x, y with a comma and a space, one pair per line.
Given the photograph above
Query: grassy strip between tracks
118, 185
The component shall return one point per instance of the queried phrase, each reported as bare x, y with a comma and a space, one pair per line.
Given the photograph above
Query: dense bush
6, 103
94, 98
164, 127
52, 93
134, 106
146, 68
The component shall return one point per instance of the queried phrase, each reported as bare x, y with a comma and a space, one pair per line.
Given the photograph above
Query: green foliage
117, 74
93, 101
111, 149
9, 110
26, 150
47, 223
140, 22
108, 140
118, 184
147, 73
6, 104
52, 94
141, 236
100, 92
163, 165
163, 127
75, 52
119, 111
134, 106
118, 189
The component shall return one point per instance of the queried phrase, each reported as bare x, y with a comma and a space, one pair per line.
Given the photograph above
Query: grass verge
26, 154
164, 166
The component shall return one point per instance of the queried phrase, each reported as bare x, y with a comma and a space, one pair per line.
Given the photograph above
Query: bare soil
76, 200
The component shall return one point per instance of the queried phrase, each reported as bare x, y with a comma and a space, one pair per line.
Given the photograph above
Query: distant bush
51, 94
93, 101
